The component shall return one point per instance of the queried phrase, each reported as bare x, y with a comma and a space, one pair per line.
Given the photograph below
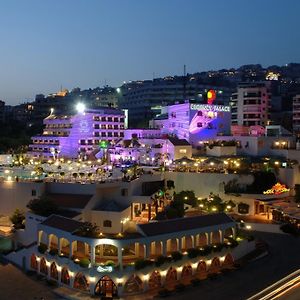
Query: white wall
17, 195
204, 183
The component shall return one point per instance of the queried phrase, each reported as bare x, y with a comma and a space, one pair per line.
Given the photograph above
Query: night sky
49, 43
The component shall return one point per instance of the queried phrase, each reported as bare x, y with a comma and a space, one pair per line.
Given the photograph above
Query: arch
133, 285
155, 280
202, 240
65, 276
106, 287
172, 245
65, 246
156, 248
42, 237
188, 242
171, 276
43, 266
80, 282
53, 271
228, 233
201, 269
187, 272
33, 262
215, 237
228, 260
110, 250
53, 241
215, 265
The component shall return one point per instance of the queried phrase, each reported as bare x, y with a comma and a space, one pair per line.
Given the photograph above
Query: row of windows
55, 142
91, 142
103, 126
108, 119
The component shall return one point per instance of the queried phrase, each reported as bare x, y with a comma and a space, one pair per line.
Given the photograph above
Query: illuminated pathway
286, 288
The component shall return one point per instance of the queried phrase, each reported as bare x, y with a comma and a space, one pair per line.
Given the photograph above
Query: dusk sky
46, 44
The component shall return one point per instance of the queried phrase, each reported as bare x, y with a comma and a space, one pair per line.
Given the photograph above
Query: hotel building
194, 122
73, 135
251, 104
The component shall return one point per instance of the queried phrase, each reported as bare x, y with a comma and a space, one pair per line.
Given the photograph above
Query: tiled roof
179, 142
70, 200
62, 223
111, 206
184, 224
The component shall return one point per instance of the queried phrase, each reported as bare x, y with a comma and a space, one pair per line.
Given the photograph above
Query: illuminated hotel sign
208, 107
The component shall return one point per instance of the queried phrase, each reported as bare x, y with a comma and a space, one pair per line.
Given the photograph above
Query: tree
88, 229
18, 219
187, 197
43, 206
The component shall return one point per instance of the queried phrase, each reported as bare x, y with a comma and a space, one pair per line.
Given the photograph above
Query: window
115, 126
107, 223
103, 133
199, 124
116, 119
109, 134
182, 150
124, 192
199, 113
109, 119
33, 192
96, 126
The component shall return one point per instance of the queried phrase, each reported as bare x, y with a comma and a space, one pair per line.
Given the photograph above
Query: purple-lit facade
80, 134
195, 122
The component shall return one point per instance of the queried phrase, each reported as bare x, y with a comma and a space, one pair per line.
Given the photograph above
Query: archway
65, 277
228, 261
172, 245
201, 270
171, 276
187, 242
156, 248
65, 246
53, 271
187, 272
80, 282
228, 233
53, 241
43, 266
33, 262
42, 237
215, 237
202, 240
155, 280
215, 265
106, 287
133, 285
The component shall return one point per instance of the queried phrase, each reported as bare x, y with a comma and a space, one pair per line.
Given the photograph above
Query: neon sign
103, 269
277, 189
208, 107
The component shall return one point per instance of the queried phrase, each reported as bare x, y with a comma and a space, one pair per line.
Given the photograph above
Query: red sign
211, 96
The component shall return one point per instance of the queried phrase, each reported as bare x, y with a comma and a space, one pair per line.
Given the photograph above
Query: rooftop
62, 223
70, 200
179, 142
184, 224
111, 206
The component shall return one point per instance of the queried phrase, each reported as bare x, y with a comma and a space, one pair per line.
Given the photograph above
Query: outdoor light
80, 107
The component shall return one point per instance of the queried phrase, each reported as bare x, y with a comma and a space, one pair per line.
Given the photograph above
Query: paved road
15, 285
283, 259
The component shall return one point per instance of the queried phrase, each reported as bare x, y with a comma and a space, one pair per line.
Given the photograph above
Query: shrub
217, 247
289, 228
110, 263
193, 252
142, 263
52, 282
205, 250
180, 287
160, 260
42, 248
176, 255
250, 238
164, 293
195, 281
84, 262
53, 252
